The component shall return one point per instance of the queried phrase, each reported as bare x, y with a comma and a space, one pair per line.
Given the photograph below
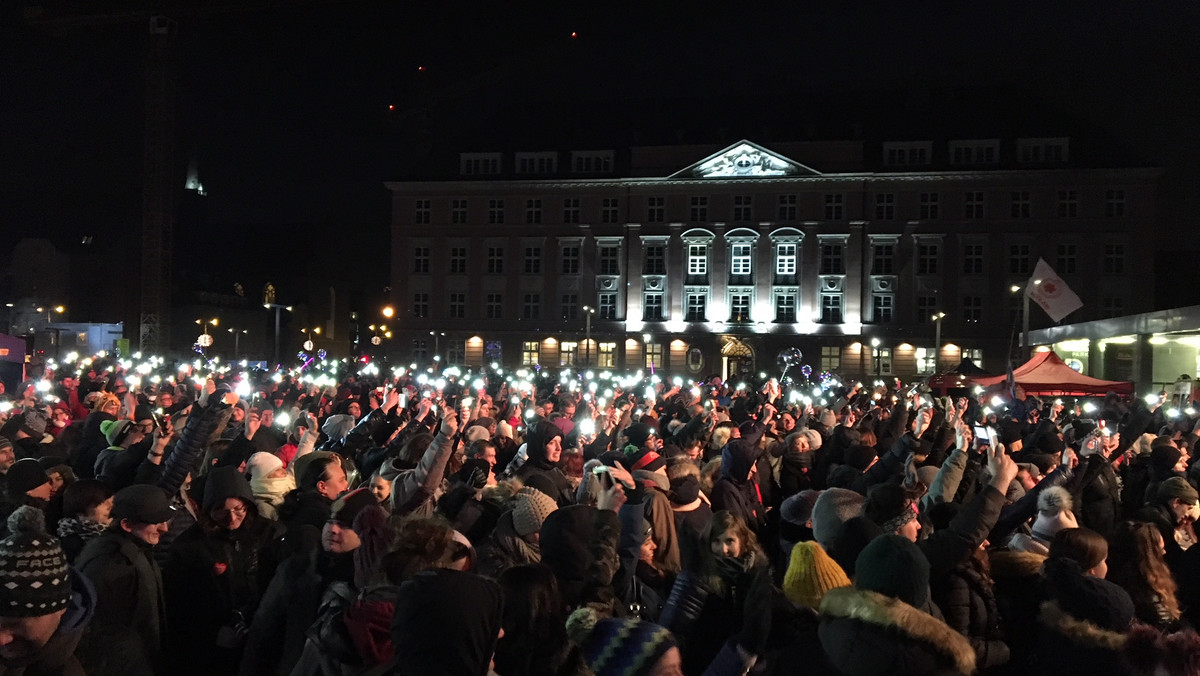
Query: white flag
1048, 290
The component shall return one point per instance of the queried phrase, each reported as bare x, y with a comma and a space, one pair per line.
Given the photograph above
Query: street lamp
937, 339
276, 307
437, 351
204, 340
308, 344
1025, 309
237, 334
646, 351
588, 311
875, 356
389, 311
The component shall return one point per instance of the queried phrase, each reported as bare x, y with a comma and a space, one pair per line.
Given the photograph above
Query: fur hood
1053, 617
896, 616
1014, 563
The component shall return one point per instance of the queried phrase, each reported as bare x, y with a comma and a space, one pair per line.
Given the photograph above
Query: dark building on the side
700, 260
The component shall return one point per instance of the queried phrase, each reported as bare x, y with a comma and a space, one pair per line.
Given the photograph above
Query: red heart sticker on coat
220, 568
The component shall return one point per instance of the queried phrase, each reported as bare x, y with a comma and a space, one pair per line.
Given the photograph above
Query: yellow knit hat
810, 574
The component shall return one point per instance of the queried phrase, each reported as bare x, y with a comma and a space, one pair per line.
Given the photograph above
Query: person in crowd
535, 640
543, 452
1136, 564
87, 512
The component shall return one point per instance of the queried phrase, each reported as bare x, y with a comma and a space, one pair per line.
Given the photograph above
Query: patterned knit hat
618, 647
34, 577
531, 509
810, 574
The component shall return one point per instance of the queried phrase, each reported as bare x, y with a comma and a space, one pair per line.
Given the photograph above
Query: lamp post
205, 340
237, 334
937, 340
276, 307
1025, 309
646, 337
437, 351
875, 354
588, 311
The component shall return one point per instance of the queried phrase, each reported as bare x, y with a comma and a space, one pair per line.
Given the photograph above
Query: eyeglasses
236, 511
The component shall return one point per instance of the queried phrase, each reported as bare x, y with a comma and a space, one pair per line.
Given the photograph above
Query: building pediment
745, 159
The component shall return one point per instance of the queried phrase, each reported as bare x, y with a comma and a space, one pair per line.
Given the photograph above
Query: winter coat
352, 633
446, 622
303, 515
63, 655
131, 609
90, 445
733, 492
1068, 645
505, 549
1099, 496
1015, 577
702, 616
865, 633
415, 491
969, 606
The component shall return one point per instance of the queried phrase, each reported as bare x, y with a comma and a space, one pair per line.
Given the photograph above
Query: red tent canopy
1046, 375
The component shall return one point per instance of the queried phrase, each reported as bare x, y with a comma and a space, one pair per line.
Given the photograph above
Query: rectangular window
655, 260
655, 209
421, 216
495, 260
974, 354
533, 260
570, 260
883, 306
926, 309
458, 305
1068, 203
927, 258
973, 259
787, 207
1112, 306
973, 204
531, 306
591, 161
742, 208
1114, 203
607, 303
458, 260
529, 353
926, 361
607, 353
533, 211
495, 212
831, 308
975, 152
571, 210
883, 259
906, 153
458, 212
831, 259
1114, 259
972, 309
495, 306
882, 356
479, 163
420, 306
610, 210
929, 206
421, 260
610, 260
831, 358
567, 352
1019, 259
697, 307
697, 259
739, 307
652, 307
1022, 204
699, 208
885, 206
456, 353
785, 260
833, 206
785, 308
1066, 261
740, 259
654, 355
420, 350
570, 306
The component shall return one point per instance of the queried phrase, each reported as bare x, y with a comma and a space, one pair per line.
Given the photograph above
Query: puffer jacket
865, 634
968, 605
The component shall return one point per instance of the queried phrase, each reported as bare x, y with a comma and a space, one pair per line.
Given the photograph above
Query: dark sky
286, 109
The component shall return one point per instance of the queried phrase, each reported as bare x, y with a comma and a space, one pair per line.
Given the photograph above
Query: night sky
286, 109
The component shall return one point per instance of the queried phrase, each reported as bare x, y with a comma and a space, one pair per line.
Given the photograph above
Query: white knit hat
477, 432
262, 463
504, 429
1054, 513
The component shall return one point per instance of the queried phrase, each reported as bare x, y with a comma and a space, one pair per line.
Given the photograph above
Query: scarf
272, 490
82, 526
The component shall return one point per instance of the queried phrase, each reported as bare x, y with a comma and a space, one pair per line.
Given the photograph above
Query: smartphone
604, 472
984, 433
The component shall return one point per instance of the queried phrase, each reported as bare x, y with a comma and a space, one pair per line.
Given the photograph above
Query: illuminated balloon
789, 357
806, 370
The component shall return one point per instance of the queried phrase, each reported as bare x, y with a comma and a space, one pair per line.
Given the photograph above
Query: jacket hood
898, 617
738, 456
224, 483
541, 432
1013, 563
1053, 617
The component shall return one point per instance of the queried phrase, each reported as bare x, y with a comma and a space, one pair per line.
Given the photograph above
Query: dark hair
84, 495
1082, 545
414, 449
421, 543
1136, 563
476, 448
315, 473
534, 622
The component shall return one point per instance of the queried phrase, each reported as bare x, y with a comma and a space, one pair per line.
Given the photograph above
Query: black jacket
130, 611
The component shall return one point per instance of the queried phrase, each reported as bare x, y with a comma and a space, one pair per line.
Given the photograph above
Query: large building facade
700, 261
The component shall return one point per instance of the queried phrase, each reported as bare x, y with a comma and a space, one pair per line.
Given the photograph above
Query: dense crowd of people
256, 523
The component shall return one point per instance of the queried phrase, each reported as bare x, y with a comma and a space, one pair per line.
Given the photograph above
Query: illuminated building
702, 260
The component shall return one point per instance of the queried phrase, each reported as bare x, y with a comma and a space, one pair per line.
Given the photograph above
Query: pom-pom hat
34, 577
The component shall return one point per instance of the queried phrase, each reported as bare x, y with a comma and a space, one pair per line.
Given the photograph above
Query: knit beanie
504, 429
1164, 458
644, 458
24, 476
814, 439
895, 567
33, 423
834, 507
261, 464
34, 566
530, 510
890, 507
828, 418
1174, 487
348, 506
798, 509
861, 457
477, 432
5, 443
1088, 598
115, 431
684, 490
810, 574
638, 434
1054, 513
618, 647
849, 540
